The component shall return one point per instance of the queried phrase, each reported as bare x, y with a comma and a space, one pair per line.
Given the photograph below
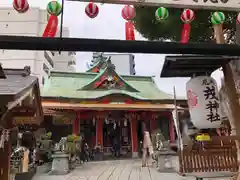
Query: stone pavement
114, 170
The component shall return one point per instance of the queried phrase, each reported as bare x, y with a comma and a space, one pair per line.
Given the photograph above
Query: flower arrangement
73, 138
47, 136
71, 143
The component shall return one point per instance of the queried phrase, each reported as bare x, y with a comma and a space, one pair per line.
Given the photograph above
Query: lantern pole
176, 121
61, 23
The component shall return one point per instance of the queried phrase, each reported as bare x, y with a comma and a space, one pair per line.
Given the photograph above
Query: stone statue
62, 144
157, 139
60, 163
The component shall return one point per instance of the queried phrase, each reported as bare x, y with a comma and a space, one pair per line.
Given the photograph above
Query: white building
124, 63
64, 61
32, 23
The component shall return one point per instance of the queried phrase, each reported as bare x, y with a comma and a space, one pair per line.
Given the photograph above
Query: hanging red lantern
51, 27
92, 10
128, 12
187, 17
21, 6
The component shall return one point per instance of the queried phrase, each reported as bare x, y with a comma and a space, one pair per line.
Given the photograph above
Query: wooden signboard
24, 115
21, 120
23, 111
64, 119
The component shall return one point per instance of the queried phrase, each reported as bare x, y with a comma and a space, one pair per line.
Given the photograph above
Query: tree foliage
201, 28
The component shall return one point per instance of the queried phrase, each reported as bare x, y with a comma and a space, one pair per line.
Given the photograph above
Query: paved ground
114, 170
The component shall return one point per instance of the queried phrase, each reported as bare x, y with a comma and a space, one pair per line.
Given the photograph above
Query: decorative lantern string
187, 17
161, 14
21, 6
129, 13
91, 10
5, 135
54, 9
217, 20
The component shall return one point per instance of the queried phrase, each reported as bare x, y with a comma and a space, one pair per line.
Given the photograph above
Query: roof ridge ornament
98, 62
110, 65
109, 79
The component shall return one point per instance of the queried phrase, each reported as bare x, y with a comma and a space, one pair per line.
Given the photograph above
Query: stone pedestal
135, 155
165, 162
98, 156
60, 164
26, 175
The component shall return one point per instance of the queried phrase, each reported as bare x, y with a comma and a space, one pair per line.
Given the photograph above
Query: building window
72, 62
71, 53
43, 80
45, 68
48, 58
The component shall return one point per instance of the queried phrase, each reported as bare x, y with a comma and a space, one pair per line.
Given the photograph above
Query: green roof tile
67, 85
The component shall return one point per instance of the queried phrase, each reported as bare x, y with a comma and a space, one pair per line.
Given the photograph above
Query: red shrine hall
102, 106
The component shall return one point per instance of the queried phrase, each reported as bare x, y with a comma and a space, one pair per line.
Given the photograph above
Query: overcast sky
110, 25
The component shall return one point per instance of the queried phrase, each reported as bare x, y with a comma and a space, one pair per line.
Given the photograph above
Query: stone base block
60, 164
135, 154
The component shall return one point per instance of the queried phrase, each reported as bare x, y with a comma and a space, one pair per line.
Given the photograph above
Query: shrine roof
14, 82
187, 65
73, 85
17, 85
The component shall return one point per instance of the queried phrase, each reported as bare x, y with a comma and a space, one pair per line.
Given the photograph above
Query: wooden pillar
171, 128
152, 122
99, 133
76, 124
5, 153
231, 94
229, 82
234, 107
94, 134
134, 136
5, 161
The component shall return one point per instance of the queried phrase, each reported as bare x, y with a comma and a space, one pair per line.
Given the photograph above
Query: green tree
201, 28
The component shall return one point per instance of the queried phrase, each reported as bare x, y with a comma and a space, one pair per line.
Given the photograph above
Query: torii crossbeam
121, 46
